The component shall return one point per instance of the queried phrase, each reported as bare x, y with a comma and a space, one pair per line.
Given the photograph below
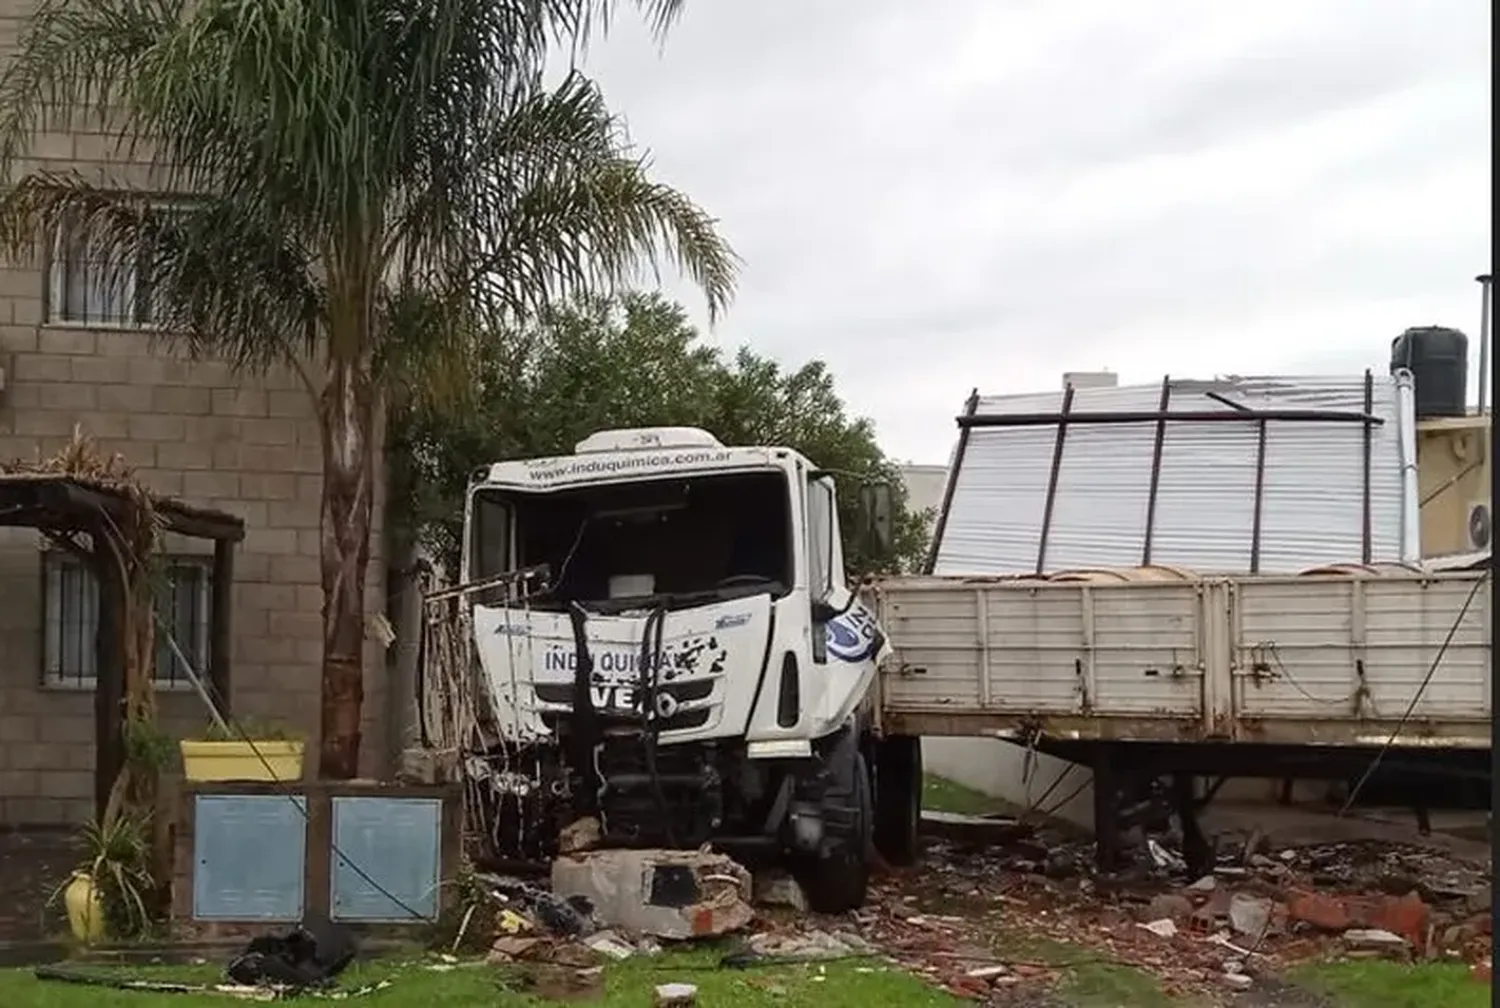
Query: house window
93, 287
70, 621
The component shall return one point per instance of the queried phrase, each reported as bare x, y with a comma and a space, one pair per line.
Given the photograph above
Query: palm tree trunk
347, 414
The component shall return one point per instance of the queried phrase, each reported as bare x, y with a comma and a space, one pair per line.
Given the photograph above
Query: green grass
626, 985
1087, 980
1377, 984
1099, 984
942, 795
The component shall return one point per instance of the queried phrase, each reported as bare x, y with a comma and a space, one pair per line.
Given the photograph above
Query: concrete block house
75, 350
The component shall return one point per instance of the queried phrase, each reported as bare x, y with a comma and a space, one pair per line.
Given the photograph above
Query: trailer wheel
837, 880
898, 799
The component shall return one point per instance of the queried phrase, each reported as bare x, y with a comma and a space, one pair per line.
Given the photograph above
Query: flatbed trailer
1155, 673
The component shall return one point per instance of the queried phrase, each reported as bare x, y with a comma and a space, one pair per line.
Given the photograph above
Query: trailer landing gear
1126, 797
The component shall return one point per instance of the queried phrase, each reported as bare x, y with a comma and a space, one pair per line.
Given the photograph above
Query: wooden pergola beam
62, 507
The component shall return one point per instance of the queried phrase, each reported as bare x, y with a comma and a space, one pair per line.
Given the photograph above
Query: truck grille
697, 691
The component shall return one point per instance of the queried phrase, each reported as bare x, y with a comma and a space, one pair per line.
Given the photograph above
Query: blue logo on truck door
853, 635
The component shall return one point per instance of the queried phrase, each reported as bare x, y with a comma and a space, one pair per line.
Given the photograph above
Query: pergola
63, 508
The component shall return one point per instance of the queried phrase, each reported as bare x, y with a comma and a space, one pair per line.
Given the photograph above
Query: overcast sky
932, 196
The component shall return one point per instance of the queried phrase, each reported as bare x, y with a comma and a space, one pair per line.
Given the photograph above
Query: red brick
1403, 915
1328, 913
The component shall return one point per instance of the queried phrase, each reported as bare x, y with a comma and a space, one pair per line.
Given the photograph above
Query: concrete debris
1238, 981
675, 895
580, 835
1164, 927
1206, 884
808, 946
1378, 938
987, 972
509, 948
609, 944
676, 995
1170, 906
1249, 915
778, 889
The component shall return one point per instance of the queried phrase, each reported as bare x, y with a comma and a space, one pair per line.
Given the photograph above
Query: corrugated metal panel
394, 842
1312, 507
249, 857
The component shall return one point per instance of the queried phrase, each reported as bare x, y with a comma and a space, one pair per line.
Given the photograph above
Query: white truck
692, 665
670, 647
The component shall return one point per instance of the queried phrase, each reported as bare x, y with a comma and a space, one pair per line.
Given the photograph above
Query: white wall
991, 766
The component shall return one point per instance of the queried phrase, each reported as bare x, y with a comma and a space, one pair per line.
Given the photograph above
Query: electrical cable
1416, 697
1032, 807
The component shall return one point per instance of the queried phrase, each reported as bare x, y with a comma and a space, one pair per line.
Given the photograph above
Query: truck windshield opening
722, 535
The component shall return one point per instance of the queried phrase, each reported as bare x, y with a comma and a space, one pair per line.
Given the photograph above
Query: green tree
633, 361
366, 176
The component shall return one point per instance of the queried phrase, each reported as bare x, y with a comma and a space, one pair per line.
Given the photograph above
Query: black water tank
1438, 359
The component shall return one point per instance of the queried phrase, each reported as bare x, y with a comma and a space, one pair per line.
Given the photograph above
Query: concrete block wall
197, 431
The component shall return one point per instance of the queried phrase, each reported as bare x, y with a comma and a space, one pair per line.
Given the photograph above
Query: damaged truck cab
689, 665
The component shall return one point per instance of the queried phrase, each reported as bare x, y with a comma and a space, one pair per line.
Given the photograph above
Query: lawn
1376, 984
942, 795
626, 985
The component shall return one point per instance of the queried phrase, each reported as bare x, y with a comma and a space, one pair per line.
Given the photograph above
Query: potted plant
109, 893
248, 752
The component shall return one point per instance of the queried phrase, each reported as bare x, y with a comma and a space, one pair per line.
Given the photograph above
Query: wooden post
109, 675
220, 627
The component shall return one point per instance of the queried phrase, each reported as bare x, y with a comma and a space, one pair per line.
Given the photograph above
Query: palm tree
367, 178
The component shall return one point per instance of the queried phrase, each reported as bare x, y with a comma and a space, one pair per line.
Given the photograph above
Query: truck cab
669, 644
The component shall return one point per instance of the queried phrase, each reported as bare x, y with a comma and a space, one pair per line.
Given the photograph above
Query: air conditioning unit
1479, 525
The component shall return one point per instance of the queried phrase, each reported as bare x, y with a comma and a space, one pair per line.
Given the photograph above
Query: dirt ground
32, 866
1018, 917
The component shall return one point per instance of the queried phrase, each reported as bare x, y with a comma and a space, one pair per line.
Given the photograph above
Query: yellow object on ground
85, 908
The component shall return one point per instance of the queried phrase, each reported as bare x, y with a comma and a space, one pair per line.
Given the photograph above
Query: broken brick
1403, 915
1327, 913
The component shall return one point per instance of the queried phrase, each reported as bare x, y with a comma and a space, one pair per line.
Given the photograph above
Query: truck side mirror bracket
877, 515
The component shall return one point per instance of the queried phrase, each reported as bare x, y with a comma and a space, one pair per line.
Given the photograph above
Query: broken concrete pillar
669, 894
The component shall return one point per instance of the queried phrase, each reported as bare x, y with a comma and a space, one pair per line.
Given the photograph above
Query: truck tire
898, 799
838, 880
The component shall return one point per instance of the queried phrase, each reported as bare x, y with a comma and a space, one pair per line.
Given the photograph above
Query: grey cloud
967, 192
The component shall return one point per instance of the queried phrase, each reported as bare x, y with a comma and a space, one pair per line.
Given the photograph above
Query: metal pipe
1484, 339
955, 469
1171, 416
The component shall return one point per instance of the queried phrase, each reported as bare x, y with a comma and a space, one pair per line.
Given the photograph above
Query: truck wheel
898, 799
837, 880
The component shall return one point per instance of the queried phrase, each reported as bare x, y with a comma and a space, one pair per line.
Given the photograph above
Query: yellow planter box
238, 761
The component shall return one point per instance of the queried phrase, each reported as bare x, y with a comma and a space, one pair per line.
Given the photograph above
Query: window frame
53, 678
822, 508
59, 268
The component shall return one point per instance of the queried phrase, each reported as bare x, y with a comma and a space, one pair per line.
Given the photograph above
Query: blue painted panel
394, 843
249, 854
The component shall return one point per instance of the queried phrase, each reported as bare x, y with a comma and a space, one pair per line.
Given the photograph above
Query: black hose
585, 727
647, 682
419, 685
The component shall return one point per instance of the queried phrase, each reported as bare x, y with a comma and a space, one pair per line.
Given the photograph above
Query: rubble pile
611, 905
1260, 910
1000, 923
